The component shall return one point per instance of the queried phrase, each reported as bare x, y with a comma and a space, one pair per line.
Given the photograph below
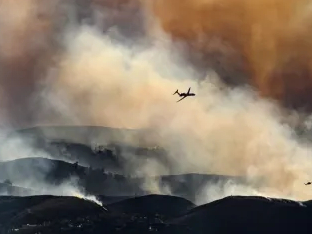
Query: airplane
308, 183
184, 95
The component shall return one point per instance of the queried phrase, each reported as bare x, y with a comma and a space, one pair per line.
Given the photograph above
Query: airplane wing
189, 90
182, 98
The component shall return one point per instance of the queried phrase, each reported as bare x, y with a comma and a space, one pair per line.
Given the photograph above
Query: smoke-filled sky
270, 40
57, 69
264, 42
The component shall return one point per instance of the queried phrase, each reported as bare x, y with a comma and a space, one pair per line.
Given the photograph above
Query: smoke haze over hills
57, 71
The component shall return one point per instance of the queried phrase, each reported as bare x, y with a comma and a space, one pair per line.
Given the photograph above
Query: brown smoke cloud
270, 39
25, 48
227, 131
30, 41
91, 79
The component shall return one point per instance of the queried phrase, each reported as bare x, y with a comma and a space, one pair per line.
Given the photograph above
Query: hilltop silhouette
154, 214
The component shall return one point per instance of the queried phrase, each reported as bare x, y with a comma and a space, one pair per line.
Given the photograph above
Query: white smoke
97, 80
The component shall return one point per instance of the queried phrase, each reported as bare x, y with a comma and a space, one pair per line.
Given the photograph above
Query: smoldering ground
96, 80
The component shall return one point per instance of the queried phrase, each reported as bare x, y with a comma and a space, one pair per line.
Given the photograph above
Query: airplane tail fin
176, 92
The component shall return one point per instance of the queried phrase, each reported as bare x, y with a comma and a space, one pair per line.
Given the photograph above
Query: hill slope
238, 214
35, 172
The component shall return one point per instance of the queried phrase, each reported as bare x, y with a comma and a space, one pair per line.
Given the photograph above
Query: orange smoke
29, 46
266, 41
26, 29
262, 42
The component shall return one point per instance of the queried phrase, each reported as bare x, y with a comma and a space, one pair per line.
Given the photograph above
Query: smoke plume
93, 78
263, 42
227, 131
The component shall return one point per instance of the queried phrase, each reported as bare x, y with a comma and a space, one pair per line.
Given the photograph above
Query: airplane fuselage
186, 94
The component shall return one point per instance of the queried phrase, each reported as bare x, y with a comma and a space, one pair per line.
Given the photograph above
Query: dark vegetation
154, 214
98, 181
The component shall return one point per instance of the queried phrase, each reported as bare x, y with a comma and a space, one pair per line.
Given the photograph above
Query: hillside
239, 214
98, 147
34, 173
236, 214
